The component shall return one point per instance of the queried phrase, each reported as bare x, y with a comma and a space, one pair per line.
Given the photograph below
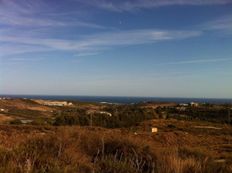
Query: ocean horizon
123, 99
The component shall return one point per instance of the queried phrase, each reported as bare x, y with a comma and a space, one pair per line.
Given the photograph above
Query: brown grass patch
85, 150
5, 118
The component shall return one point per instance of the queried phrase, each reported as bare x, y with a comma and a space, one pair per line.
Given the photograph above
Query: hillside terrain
103, 138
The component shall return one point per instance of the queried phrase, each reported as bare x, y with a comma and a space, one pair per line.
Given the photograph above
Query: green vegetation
205, 113
112, 117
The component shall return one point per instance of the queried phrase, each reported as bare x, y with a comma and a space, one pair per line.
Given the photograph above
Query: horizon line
161, 97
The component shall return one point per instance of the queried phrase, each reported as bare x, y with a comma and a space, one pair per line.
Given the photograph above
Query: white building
194, 104
57, 103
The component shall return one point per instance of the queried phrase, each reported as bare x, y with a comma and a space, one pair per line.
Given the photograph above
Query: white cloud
15, 15
197, 61
96, 42
37, 22
11, 48
83, 54
28, 13
222, 23
130, 5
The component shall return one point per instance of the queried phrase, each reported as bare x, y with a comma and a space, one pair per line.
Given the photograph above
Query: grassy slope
178, 147
84, 149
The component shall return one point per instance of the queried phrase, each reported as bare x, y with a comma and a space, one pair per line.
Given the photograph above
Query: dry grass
87, 150
4, 118
178, 147
23, 104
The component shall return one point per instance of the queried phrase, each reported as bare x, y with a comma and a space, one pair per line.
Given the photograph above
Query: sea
123, 100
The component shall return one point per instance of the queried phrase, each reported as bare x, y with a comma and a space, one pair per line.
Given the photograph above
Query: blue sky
164, 48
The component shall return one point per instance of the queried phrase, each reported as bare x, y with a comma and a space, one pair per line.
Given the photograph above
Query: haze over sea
122, 99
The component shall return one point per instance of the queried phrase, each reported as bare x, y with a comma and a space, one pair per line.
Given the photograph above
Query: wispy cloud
25, 31
101, 41
131, 5
21, 59
83, 54
197, 61
28, 13
222, 23
11, 48
12, 20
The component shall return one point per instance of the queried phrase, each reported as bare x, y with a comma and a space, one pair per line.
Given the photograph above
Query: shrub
15, 122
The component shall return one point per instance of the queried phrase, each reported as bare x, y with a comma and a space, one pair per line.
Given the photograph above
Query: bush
122, 116
15, 122
68, 120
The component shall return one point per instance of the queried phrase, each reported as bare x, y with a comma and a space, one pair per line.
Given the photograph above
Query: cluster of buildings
5, 98
53, 103
57, 103
183, 106
193, 104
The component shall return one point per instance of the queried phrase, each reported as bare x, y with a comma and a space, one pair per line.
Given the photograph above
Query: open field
179, 145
